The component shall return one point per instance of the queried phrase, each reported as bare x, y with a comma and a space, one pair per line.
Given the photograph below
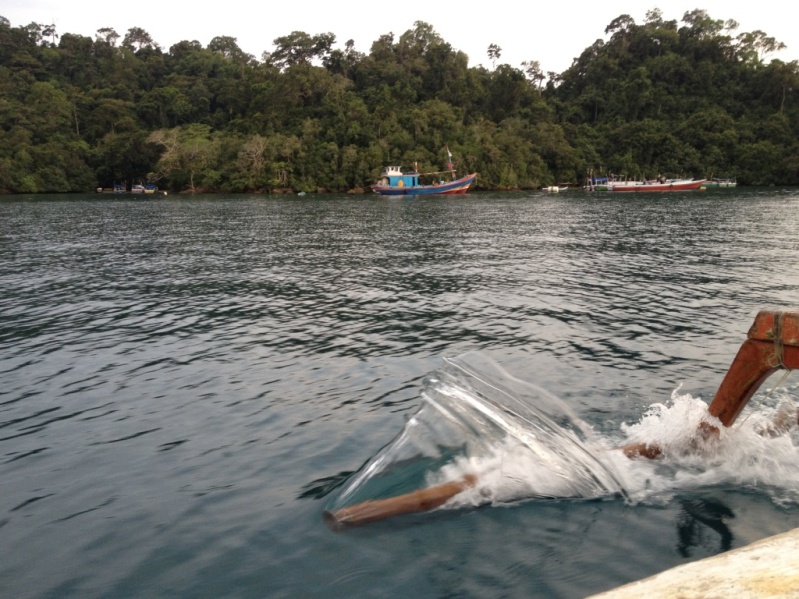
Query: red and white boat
668, 185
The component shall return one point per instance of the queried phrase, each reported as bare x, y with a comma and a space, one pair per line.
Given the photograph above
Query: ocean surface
188, 383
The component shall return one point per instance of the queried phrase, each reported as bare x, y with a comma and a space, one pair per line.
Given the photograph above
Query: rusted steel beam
772, 344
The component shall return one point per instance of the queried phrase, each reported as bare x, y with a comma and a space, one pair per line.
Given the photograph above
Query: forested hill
694, 98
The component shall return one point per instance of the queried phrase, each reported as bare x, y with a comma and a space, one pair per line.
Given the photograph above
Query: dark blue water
186, 381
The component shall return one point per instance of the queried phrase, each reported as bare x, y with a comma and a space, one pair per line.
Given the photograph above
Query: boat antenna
449, 163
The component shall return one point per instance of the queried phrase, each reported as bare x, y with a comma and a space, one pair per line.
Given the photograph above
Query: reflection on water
186, 382
700, 517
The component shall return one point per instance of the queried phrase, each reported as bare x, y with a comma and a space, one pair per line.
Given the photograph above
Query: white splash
523, 443
760, 450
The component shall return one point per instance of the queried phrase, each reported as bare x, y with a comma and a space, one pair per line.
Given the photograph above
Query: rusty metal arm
772, 344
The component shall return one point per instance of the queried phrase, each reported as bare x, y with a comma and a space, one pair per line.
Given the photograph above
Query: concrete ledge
766, 568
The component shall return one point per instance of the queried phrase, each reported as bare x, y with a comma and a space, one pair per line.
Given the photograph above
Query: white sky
553, 33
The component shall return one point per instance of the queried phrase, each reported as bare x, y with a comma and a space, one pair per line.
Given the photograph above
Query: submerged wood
423, 500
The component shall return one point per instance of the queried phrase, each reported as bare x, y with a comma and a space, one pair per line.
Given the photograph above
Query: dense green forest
694, 98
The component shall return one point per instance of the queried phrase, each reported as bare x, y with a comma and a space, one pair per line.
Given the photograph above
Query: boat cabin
393, 176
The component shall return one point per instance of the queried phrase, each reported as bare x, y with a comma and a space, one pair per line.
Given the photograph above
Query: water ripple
173, 371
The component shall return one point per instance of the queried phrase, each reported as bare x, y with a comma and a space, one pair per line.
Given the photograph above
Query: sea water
187, 382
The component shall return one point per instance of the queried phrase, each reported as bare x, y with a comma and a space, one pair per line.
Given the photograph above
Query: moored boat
394, 182
666, 185
137, 188
715, 183
647, 186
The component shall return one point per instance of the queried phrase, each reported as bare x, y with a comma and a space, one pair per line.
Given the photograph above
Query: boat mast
449, 164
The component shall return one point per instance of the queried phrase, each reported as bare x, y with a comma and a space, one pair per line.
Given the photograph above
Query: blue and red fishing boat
394, 182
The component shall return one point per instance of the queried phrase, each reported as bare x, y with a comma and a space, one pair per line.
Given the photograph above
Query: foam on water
524, 443
760, 450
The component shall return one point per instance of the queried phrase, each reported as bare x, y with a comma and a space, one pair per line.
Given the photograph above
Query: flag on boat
449, 159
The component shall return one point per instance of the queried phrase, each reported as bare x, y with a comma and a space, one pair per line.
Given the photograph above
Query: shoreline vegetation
694, 98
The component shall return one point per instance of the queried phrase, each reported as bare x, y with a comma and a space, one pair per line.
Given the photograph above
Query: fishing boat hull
458, 186
647, 186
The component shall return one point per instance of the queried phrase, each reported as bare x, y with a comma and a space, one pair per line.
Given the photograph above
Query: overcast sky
551, 32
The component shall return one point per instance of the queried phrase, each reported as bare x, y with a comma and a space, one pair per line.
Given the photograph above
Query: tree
344, 62
651, 98
49, 31
34, 32
532, 69
753, 46
227, 47
419, 39
123, 156
251, 163
654, 17
622, 24
107, 35
188, 153
494, 53
300, 48
699, 24
137, 39
49, 113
